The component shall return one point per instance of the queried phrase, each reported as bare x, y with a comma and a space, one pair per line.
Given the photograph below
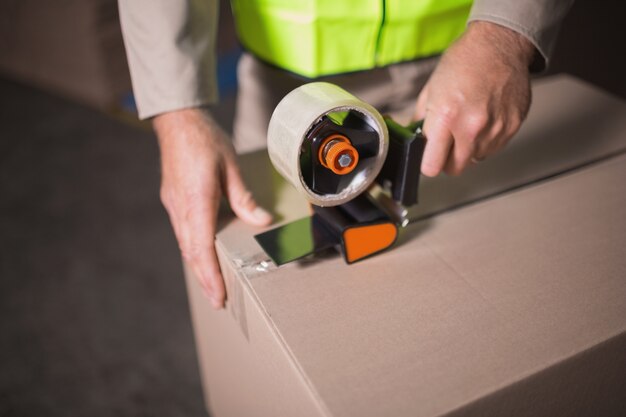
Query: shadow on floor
93, 311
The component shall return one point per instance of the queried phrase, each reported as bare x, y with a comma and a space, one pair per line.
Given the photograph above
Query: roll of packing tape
294, 142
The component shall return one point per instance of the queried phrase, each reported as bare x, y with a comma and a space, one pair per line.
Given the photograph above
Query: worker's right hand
476, 99
198, 166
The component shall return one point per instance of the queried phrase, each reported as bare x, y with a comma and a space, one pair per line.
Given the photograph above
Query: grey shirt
171, 44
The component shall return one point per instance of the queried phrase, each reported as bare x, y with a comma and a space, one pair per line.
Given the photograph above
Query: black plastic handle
401, 172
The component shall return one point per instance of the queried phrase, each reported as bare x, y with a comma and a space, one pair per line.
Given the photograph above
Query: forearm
537, 20
170, 47
512, 48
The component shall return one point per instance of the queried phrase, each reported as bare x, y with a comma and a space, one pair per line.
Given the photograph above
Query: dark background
93, 311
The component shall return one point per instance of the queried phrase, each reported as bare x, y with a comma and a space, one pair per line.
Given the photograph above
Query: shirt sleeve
537, 20
170, 46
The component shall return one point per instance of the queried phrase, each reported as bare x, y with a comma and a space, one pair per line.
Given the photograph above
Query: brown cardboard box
514, 305
70, 47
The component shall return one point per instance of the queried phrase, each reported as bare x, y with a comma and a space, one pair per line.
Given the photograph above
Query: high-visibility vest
323, 37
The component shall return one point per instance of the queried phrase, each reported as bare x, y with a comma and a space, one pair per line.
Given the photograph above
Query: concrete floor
94, 318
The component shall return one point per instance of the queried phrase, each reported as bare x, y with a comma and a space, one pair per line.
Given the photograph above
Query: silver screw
344, 160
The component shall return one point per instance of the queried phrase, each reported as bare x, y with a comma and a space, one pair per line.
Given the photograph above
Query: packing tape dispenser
335, 149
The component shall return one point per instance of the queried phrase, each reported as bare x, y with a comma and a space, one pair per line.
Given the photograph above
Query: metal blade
398, 213
295, 240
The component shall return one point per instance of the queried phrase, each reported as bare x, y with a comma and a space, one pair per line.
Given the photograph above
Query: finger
180, 229
459, 157
174, 221
496, 144
514, 122
501, 133
420, 105
488, 140
212, 282
198, 230
471, 132
241, 200
484, 148
438, 143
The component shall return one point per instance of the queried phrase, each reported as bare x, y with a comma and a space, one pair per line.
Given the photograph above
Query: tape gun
337, 150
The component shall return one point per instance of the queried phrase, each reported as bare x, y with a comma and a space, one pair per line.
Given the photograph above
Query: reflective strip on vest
323, 37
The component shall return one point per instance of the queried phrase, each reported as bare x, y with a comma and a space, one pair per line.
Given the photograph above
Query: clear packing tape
292, 122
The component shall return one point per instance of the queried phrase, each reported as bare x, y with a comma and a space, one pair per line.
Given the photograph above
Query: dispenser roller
327, 143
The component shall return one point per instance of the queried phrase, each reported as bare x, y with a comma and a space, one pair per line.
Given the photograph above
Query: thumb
241, 200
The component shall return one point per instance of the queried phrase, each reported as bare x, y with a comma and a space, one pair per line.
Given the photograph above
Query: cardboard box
69, 47
513, 305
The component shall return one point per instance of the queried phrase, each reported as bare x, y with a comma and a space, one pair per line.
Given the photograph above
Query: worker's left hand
476, 99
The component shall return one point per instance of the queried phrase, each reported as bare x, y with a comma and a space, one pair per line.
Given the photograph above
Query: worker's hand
198, 166
476, 99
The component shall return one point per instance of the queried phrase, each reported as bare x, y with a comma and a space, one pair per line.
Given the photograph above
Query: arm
479, 94
538, 21
170, 48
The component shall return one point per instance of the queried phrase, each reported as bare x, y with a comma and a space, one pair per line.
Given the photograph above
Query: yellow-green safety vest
313, 38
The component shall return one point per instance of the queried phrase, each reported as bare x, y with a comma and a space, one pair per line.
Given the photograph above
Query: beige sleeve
537, 20
170, 46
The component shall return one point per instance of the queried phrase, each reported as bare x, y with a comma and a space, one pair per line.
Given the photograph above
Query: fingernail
261, 215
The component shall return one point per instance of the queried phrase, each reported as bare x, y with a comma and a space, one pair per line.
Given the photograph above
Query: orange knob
338, 154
